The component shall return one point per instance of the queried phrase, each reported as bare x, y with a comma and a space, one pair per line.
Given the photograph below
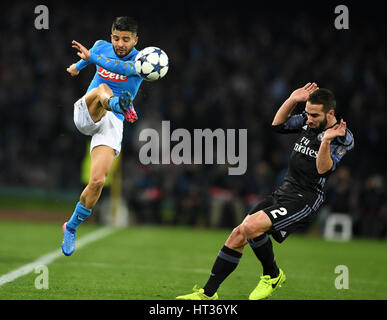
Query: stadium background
231, 67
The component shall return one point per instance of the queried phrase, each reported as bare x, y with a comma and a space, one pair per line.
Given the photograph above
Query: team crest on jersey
320, 136
111, 75
340, 151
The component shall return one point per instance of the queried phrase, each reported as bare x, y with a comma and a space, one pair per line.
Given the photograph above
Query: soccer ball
151, 63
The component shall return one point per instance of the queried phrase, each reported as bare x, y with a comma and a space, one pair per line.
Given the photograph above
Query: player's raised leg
94, 101
102, 99
119, 104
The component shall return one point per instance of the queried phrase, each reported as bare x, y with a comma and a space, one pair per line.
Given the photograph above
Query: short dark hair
324, 97
125, 24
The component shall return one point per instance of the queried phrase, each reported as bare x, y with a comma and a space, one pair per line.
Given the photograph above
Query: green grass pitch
158, 263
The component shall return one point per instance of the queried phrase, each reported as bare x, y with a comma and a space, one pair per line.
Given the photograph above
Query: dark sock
263, 249
225, 263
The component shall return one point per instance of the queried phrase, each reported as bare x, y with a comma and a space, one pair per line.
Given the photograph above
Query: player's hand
337, 131
83, 52
302, 94
131, 115
73, 70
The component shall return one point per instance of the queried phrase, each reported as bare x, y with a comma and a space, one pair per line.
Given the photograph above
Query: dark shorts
288, 213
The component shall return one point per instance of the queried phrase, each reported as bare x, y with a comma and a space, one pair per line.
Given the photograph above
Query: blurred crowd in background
229, 69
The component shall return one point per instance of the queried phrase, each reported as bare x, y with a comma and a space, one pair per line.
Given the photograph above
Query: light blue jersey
118, 73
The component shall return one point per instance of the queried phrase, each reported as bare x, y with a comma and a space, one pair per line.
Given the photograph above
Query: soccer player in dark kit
322, 142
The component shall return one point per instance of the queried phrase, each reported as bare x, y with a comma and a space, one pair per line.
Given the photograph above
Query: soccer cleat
131, 115
121, 104
68, 244
267, 286
198, 294
125, 101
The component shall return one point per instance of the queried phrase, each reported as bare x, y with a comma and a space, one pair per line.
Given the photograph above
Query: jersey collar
131, 55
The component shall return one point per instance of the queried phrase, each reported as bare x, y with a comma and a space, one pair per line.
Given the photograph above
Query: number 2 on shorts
281, 211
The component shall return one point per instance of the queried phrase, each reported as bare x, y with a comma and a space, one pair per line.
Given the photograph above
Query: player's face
123, 42
317, 118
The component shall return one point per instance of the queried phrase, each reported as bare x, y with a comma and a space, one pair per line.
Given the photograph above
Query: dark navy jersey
302, 175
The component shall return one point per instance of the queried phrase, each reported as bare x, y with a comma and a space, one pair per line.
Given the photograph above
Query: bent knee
94, 94
97, 182
255, 225
249, 229
103, 86
237, 238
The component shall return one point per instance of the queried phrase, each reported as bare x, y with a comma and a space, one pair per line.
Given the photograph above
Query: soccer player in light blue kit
100, 113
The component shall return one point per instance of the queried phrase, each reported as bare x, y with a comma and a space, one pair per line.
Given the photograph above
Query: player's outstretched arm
299, 95
125, 68
72, 69
83, 52
75, 68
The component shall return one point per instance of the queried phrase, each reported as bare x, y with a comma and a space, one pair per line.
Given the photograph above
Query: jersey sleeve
125, 68
340, 146
293, 125
81, 64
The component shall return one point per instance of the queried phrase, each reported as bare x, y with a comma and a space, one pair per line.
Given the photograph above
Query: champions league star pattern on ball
152, 63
